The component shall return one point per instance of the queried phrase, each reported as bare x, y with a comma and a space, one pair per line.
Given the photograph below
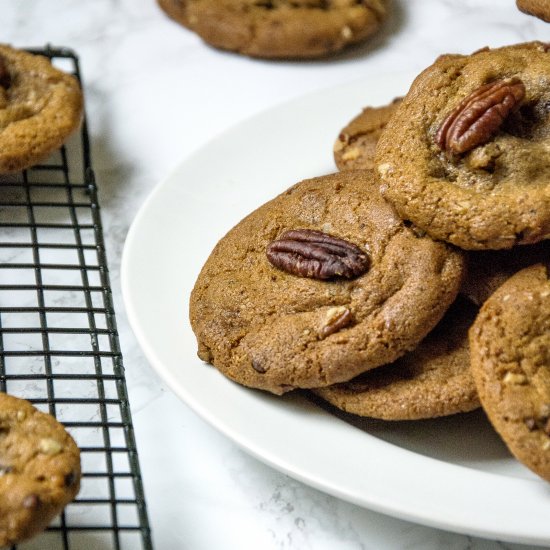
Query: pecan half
5, 78
479, 116
314, 254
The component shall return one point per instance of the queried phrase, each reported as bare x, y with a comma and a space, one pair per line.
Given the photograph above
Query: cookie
279, 28
466, 156
304, 323
39, 469
538, 8
432, 380
40, 107
510, 357
488, 269
356, 144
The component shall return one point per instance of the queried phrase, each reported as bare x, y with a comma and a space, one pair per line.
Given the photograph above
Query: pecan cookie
473, 162
356, 144
39, 469
510, 357
538, 8
319, 285
432, 380
279, 28
488, 269
40, 107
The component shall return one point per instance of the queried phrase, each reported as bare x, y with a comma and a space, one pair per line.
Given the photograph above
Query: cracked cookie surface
40, 107
496, 193
279, 28
510, 358
39, 469
269, 329
355, 147
432, 380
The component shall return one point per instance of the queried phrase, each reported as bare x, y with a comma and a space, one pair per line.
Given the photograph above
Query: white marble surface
155, 93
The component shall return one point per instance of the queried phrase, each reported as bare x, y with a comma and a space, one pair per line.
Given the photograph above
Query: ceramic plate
451, 473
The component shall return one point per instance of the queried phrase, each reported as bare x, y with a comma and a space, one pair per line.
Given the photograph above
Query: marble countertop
154, 94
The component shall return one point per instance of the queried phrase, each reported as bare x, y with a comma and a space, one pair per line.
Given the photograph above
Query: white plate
451, 473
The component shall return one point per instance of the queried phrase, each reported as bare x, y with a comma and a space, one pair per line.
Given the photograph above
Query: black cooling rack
59, 345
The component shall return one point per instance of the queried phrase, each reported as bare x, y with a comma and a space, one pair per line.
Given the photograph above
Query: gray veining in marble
155, 93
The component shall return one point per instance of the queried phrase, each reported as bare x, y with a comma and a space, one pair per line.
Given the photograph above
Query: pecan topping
314, 254
479, 116
5, 78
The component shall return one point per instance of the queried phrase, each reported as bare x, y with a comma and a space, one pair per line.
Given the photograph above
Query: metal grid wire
59, 346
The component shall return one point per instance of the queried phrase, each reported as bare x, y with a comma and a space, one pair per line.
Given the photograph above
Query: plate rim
464, 522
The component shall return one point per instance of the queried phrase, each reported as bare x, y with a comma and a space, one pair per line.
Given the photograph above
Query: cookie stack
414, 283
472, 168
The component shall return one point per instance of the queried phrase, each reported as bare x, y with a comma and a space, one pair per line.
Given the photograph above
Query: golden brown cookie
268, 327
538, 8
510, 357
356, 144
40, 106
432, 380
488, 269
466, 156
39, 469
279, 28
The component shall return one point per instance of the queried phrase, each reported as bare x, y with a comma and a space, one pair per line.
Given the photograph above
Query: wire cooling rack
59, 345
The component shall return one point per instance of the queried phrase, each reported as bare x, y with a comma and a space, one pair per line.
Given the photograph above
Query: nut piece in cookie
39, 470
40, 106
473, 163
355, 146
279, 29
432, 380
510, 359
352, 287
